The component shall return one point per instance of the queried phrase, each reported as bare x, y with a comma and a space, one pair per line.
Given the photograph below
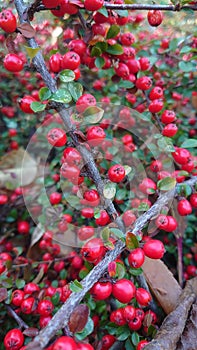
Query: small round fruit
45, 307
14, 339
107, 341
93, 249
143, 83
136, 258
154, 249
71, 60
85, 101
8, 21
141, 344
55, 198
184, 207
13, 63
51, 3
101, 290
95, 135
65, 342
123, 290
143, 297
93, 5
25, 104
170, 130
147, 186
155, 17
57, 137
116, 173
193, 200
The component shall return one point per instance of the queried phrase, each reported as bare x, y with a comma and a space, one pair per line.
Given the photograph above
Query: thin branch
177, 7
17, 318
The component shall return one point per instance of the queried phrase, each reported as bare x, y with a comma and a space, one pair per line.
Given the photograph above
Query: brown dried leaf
27, 30
78, 318
188, 339
10, 44
31, 332
3, 294
162, 283
39, 276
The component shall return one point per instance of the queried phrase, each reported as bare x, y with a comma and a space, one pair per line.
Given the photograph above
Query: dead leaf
17, 168
78, 318
3, 294
162, 283
26, 30
39, 276
37, 235
31, 332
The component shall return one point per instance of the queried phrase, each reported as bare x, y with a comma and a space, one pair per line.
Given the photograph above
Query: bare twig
17, 318
175, 8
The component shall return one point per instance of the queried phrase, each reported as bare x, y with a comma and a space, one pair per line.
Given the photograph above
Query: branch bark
175, 8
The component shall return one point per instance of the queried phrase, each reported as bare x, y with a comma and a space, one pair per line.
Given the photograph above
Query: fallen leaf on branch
26, 30
162, 283
78, 318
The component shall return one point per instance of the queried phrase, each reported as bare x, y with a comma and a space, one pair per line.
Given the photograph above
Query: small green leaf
103, 11
109, 190
124, 335
89, 327
38, 106
44, 94
75, 286
131, 241
135, 272
67, 75
96, 52
105, 233
122, 13
113, 31
93, 114
61, 95
185, 49
102, 45
184, 190
115, 49
97, 213
166, 143
135, 338
143, 207
186, 66
99, 62
189, 143
75, 89
20, 283
118, 233
127, 169
129, 345
55, 299
31, 52
120, 270
166, 184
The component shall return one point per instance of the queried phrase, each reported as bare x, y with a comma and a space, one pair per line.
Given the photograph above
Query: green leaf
20, 283
103, 11
166, 143
99, 62
105, 233
44, 94
184, 190
31, 52
96, 51
129, 345
113, 31
118, 233
120, 270
109, 190
124, 335
135, 272
166, 184
76, 286
102, 45
75, 89
185, 49
122, 13
135, 338
62, 96
131, 241
189, 143
89, 327
143, 207
115, 49
67, 75
38, 106
186, 66
97, 213
93, 114
55, 299
127, 169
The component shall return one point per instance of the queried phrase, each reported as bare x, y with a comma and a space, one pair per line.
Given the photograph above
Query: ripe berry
25, 104
143, 297
71, 60
45, 307
55, 62
155, 106
93, 5
156, 93
23, 227
128, 217
87, 213
51, 3
65, 7
154, 249
55, 198
8, 21
92, 197
72, 173
116, 173
170, 130
14, 339
104, 218
31, 288
123, 290
168, 117
133, 65
84, 346
85, 233
107, 341
93, 249
135, 323
184, 207
144, 63
84, 101
95, 135
193, 200
129, 313
17, 297
57, 137
101, 290
156, 166
13, 63
122, 70
155, 17
71, 156
3, 199
181, 155
127, 39
136, 258
147, 186
65, 342
78, 46
117, 317
143, 83
141, 344
27, 305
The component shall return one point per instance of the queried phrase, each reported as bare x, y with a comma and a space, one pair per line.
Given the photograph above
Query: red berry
156, 166
45, 307
141, 344
92, 197
57, 137
154, 249
78, 46
143, 297
55, 198
107, 341
168, 117
144, 63
116, 173
51, 3
13, 63
129, 313
8, 21
156, 93
71, 156
170, 130
55, 62
71, 60
3, 199
128, 217
155, 106
127, 39
72, 173
65, 7
14, 339
181, 155
25, 104
135, 323
193, 200
95, 135
104, 218
23, 227
27, 305
155, 17
65, 342
147, 186
85, 233
136, 258
31, 288
87, 213
143, 83
101, 290
93, 249
122, 70
117, 317
93, 5
123, 290
84, 346
184, 207
84, 101
17, 297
